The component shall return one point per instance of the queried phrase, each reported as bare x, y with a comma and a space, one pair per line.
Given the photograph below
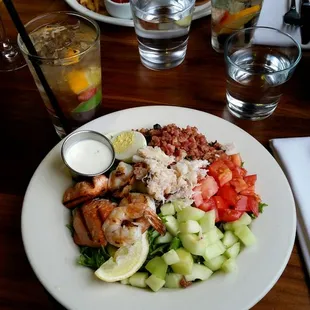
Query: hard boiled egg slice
127, 143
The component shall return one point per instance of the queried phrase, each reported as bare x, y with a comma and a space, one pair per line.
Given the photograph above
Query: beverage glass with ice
68, 52
162, 28
228, 16
257, 69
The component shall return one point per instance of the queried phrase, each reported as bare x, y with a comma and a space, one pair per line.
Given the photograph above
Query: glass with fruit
228, 16
68, 48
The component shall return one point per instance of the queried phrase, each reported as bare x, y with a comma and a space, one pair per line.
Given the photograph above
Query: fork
292, 17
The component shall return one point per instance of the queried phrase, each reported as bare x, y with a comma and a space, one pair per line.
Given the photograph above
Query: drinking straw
27, 41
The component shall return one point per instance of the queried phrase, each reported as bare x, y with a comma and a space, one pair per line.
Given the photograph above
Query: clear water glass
259, 60
162, 29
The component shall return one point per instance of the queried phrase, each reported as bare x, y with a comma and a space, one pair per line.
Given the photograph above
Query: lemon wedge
127, 260
184, 22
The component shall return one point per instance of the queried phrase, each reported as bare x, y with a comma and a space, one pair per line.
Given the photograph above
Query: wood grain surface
27, 135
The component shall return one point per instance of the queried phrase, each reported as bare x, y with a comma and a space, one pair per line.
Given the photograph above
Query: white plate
53, 254
200, 11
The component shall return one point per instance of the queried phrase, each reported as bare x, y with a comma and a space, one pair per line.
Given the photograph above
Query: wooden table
27, 135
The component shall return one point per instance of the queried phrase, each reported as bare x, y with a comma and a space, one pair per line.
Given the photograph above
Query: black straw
24, 35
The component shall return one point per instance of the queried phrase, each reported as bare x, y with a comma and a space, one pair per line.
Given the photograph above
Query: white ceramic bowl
120, 10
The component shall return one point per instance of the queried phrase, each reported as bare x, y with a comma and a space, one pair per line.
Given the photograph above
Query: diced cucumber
233, 251
179, 205
189, 227
215, 263
166, 238
172, 225
245, 235
214, 250
229, 265
125, 281
228, 226
229, 239
212, 236
167, 209
190, 213
199, 272
207, 222
193, 243
157, 267
173, 280
219, 233
138, 279
185, 265
171, 257
155, 283
245, 219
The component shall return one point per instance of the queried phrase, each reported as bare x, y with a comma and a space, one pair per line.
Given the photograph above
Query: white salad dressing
89, 156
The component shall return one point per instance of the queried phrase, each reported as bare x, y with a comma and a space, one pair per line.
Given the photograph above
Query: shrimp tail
155, 221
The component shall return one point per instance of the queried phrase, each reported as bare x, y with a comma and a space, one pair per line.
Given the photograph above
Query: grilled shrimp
87, 222
120, 177
126, 223
85, 191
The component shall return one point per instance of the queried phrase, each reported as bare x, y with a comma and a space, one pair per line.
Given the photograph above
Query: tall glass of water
162, 28
260, 60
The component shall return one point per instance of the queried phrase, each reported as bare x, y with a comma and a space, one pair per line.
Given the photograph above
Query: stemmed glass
11, 57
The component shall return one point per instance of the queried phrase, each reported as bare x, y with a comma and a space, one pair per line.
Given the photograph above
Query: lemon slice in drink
184, 22
127, 260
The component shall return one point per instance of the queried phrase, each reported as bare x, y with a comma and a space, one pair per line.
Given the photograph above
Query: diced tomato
239, 172
250, 191
208, 205
217, 218
197, 196
224, 156
229, 164
228, 215
208, 187
224, 17
87, 94
220, 202
219, 170
242, 203
226, 159
250, 179
229, 194
236, 159
238, 184
253, 205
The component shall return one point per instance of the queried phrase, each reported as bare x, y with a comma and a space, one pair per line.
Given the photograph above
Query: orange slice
232, 22
77, 80
70, 53
80, 80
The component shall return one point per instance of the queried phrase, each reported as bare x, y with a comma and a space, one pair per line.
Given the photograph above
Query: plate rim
198, 13
53, 292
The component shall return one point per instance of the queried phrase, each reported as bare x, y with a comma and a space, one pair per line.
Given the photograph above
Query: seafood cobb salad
172, 210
